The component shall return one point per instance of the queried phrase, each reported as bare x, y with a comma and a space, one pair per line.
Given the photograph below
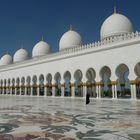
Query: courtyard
44, 118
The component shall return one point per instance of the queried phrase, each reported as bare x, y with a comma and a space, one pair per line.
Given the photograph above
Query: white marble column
6, 88
19, 90
135, 94
62, 89
113, 83
15, 90
53, 90
97, 90
3, 90
133, 89
99, 86
72, 89
45, 90
31, 89
84, 90
37, 89
115, 91
45, 87
10, 89
25, 90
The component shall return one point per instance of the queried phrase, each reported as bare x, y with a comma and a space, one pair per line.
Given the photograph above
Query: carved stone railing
101, 43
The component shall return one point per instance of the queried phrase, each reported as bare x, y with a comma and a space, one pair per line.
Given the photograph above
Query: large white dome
70, 39
6, 59
115, 25
20, 55
40, 49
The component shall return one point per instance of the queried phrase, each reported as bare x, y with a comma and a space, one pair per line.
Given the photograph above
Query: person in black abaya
87, 98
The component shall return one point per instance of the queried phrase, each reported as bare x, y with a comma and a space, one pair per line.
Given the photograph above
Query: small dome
115, 25
20, 55
70, 39
40, 49
6, 59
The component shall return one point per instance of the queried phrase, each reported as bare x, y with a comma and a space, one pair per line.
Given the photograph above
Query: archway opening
49, 84
67, 84
106, 88
34, 86
41, 85
17, 86
22, 86
57, 78
78, 83
8, 87
123, 83
91, 84
13, 86
28, 86
5, 86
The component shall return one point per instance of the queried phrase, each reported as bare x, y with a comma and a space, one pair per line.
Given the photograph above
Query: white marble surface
101, 119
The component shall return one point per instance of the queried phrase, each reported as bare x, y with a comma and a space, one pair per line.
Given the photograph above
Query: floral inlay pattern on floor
68, 119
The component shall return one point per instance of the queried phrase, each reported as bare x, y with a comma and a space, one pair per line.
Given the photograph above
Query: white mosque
109, 68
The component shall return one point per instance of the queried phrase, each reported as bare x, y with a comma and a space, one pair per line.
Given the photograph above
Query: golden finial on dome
22, 46
7, 52
42, 38
115, 11
71, 27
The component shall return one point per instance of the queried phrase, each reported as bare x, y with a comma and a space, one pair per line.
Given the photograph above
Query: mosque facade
109, 68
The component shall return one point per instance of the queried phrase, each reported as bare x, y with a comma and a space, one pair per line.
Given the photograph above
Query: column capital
72, 84
62, 85
84, 84
99, 83
113, 82
133, 82
53, 84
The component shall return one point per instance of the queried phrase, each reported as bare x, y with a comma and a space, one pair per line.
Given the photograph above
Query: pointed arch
106, 88
57, 78
22, 85
67, 83
34, 85
91, 83
41, 85
28, 85
49, 84
123, 82
78, 83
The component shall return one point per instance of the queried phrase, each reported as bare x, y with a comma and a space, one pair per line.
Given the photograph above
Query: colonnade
83, 88
77, 84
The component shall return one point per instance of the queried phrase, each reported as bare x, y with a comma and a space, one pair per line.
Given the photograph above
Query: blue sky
24, 22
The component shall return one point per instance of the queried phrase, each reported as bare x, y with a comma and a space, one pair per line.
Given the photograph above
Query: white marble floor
45, 118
